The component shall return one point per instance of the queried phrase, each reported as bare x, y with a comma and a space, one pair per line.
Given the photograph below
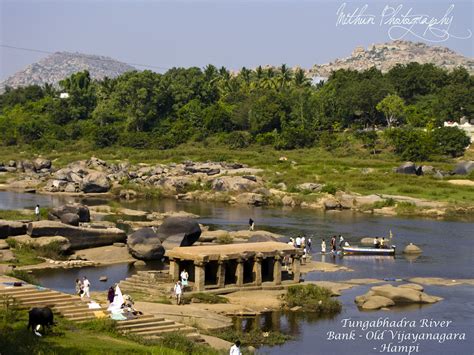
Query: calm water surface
448, 249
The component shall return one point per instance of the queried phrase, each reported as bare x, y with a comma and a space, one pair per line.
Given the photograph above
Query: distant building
465, 125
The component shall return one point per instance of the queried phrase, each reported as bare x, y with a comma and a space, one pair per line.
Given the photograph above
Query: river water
448, 249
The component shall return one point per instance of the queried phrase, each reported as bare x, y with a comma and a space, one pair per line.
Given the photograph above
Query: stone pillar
277, 270
257, 269
174, 269
199, 276
239, 272
221, 274
296, 267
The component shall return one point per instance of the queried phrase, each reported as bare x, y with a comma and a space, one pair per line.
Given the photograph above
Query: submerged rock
412, 249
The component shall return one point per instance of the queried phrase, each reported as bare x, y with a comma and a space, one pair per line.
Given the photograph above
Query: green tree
393, 108
450, 141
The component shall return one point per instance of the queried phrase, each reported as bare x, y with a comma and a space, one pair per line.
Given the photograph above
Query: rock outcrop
412, 249
40, 242
177, 231
11, 228
79, 237
387, 295
464, 167
145, 244
80, 210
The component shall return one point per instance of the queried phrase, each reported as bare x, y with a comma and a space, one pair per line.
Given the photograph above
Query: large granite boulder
464, 167
387, 295
144, 244
41, 163
258, 238
80, 210
234, 183
180, 231
408, 168
95, 181
250, 198
70, 218
79, 237
310, 186
11, 228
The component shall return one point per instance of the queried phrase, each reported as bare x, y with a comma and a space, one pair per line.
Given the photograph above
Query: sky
231, 33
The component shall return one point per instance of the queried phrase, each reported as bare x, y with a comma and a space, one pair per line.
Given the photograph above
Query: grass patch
312, 298
207, 298
405, 208
254, 337
224, 239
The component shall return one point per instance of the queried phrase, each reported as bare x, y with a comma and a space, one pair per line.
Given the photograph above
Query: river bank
307, 178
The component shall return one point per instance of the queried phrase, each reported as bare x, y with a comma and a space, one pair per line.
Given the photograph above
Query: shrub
254, 337
312, 298
410, 143
207, 298
105, 136
450, 141
239, 139
329, 189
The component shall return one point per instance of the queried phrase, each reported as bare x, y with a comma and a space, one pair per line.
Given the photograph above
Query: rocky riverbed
233, 183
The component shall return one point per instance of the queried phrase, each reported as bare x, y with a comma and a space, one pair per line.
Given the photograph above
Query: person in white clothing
235, 349
37, 212
86, 285
323, 247
298, 242
184, 278
178, 292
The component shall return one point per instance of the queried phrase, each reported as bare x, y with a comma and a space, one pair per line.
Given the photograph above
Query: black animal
40, 316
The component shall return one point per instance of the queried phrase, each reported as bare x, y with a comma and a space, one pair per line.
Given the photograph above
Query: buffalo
40, 317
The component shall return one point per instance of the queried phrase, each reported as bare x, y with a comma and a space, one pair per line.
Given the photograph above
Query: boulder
95, 182
412, 286
250, 198
61, 174
186, 230
3, 245
28, 166
407, 168
310, 186
103, 279
210, 236
41, 163
427, 170
234, 183
128, 194
70, 218
75, 208
347, 201
70, 187
464, 167
399, 295
11, 228
330, 203
412, 249
144, 244
79, 237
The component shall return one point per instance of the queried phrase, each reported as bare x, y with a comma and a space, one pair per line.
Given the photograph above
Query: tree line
279, 107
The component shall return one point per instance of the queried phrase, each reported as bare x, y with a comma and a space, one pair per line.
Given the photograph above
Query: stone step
81, 319
73, 315
55, 301
19, 290
182, 329
139, 319
69, 306
138, 285
42, 296
145, 324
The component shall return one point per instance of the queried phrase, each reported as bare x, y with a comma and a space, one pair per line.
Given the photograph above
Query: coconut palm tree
300, 79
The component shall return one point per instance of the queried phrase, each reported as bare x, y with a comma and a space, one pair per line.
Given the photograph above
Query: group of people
83, 287
380, 243
301, 242
334, 244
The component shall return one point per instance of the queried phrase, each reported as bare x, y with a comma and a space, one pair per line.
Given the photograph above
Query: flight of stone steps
149, 282
75, 309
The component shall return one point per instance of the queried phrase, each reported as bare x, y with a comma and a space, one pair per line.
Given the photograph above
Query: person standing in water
323, 247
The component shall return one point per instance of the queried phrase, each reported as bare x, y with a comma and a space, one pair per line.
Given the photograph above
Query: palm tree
284, 75
300, 79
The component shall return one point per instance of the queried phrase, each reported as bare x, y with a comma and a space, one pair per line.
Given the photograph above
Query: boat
355, 250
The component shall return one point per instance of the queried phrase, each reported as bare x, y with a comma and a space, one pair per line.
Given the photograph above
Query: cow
40, 317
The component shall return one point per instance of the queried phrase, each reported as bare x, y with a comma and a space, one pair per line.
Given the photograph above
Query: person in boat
383, 243
376, 243
341, 241
323, 247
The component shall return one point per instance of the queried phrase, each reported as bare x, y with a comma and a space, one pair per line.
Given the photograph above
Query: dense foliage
266, 106
312, 298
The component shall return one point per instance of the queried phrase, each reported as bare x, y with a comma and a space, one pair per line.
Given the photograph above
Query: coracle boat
354, 250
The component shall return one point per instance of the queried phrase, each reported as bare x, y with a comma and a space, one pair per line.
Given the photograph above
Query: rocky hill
386, 55
60, 65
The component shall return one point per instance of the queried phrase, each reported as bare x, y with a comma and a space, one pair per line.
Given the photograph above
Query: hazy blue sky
233, 33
